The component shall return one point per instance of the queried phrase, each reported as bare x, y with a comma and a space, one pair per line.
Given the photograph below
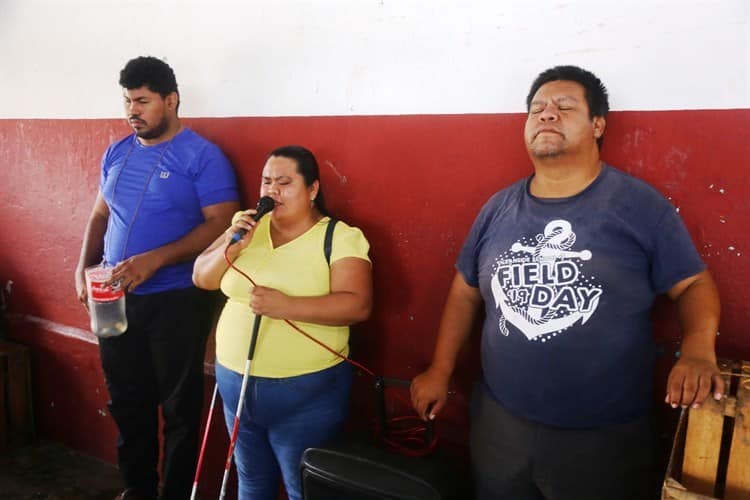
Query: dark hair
150, 72
307, 166
593, 89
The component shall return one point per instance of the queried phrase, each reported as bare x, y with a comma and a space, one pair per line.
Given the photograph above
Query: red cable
409, 441
408, 435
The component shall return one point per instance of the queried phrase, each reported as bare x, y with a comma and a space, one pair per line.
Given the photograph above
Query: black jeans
159, 361
517, 459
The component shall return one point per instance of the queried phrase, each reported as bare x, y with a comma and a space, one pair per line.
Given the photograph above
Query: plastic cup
106, 302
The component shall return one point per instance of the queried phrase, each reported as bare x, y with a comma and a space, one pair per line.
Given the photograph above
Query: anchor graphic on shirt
552, 296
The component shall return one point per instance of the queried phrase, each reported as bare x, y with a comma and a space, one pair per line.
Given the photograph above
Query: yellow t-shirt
297, 268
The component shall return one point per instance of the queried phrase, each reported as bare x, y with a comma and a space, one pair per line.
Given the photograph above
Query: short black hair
593, 89
307, 167
150, 72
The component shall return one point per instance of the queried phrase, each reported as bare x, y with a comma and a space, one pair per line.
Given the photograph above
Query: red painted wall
412, 183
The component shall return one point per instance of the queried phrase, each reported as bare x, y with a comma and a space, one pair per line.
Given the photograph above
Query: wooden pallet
712, 444
16, 416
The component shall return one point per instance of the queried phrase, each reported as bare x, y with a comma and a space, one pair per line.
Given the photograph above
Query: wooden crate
711, 452
16, 416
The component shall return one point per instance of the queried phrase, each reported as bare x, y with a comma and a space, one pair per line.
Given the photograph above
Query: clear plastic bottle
106, 303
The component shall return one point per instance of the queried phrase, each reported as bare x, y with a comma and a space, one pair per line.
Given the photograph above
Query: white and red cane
203, 444
238, 413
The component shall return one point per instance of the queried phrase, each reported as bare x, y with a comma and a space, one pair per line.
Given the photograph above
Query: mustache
547, 129
135, 118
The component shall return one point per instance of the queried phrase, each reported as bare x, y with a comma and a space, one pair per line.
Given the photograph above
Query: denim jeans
281, 418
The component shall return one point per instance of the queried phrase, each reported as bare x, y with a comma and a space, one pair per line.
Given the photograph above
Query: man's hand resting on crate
695, 375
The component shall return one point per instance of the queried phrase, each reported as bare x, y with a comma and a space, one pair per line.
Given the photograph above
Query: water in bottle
106, 303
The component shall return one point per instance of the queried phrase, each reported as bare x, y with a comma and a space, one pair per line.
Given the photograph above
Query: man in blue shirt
567, 264
165, 194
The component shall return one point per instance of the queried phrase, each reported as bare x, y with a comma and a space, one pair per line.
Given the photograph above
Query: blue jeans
281, 418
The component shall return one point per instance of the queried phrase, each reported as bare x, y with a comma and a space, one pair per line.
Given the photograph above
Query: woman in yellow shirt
298, 392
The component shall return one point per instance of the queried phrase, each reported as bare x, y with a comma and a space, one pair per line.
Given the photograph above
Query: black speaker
355, 469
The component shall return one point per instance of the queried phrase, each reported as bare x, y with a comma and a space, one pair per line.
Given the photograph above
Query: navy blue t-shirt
568, 286
155, 195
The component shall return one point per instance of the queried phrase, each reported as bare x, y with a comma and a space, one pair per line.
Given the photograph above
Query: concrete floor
49, 471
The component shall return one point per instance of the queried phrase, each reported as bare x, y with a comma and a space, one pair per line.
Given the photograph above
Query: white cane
238, 413
203, 444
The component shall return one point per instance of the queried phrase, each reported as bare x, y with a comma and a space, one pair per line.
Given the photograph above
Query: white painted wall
60, 59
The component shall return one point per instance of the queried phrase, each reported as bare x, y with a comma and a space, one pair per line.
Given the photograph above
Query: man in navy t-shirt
165, 194
567, 264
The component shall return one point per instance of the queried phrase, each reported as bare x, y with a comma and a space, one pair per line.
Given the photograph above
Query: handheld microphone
265, 205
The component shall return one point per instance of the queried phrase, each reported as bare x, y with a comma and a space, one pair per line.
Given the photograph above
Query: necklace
142, 196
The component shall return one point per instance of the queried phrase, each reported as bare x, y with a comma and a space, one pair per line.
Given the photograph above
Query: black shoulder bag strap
328, 240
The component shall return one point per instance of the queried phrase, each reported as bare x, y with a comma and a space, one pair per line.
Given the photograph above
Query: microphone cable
406, 435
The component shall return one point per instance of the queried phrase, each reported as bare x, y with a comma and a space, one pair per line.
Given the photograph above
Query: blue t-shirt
155, 195
568, 286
